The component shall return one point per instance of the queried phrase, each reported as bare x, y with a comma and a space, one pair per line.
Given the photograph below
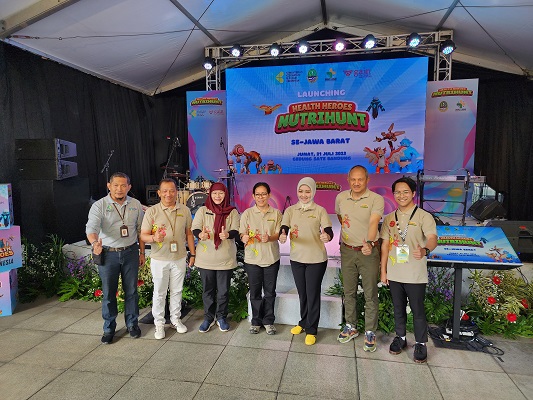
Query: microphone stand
230, 174
175, 143
106, 166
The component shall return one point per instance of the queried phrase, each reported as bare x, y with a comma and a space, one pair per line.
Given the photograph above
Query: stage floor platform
52, 350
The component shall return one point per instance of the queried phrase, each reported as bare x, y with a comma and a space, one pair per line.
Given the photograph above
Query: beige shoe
159, 332
180, 328
271, 329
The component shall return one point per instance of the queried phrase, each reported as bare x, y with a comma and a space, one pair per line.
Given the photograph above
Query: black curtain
41, 99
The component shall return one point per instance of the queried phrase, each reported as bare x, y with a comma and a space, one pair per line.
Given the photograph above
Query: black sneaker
135, 331
421, 353
397, 345
107, 338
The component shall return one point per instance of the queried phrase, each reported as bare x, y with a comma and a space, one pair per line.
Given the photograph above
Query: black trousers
416, 293
215, 284
308, 279
262, 282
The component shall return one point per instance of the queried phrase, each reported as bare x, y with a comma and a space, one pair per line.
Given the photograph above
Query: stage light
209, 63
236, 51
303, 46
274, 50
369, 42
413, 39
447, 47
339, 45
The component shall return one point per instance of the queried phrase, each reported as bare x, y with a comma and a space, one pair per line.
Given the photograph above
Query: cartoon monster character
375, 106
249, 158
377, 157
268, 109
238, 152
409, 154
389, 136
270, 167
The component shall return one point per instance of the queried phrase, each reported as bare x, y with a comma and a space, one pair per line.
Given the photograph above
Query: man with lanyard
359, 211
112, 230
166, 225
409, 234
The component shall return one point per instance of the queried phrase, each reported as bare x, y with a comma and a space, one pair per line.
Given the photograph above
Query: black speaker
44, 149
47, 169
487, 209
520, 235
59, 207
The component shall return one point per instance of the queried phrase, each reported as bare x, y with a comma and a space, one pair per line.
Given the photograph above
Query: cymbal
176, 175
218, 170
168, 168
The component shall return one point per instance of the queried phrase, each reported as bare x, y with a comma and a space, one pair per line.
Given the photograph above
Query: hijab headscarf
312, 185
221, 210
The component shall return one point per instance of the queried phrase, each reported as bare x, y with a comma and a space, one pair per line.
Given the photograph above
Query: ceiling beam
445, 17
31, 15
324, 12
195, 22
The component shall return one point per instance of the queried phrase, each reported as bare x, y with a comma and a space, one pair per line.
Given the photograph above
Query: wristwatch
427, 251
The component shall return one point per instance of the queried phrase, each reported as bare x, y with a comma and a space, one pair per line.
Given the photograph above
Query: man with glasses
409, 234
359, 211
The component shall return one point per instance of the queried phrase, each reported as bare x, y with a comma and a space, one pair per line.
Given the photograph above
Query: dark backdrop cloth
42, 99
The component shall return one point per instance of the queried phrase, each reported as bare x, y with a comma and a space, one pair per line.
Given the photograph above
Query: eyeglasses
405, 193
261, 194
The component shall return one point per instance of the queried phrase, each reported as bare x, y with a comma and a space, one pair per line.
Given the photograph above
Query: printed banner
10, 248
451, 125
206, 122
324, 117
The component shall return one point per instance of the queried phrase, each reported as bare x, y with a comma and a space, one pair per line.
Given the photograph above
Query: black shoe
421, 353
107, 338
397, 345
135, 331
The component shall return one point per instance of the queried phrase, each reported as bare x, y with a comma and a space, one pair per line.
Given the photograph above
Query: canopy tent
158, 45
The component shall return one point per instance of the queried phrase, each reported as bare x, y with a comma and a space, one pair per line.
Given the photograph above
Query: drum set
192, 193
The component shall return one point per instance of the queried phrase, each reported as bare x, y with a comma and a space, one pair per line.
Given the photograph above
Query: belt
118, 248
358, 248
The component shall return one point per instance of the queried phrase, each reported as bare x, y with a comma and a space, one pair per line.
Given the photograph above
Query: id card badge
402, 254
173, 246
124, 231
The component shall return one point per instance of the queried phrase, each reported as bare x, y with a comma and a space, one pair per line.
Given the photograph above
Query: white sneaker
159, 332
180, 328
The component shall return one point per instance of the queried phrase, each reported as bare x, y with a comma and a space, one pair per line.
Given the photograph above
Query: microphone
178, 142
111, 153
221, 142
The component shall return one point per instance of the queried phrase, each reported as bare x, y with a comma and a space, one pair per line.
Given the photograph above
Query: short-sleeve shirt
105, 219
355, 215
304, 225
207, 257
256, 223
173, 221
421, 225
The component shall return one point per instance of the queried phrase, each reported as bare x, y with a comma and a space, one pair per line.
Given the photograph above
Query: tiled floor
52, 350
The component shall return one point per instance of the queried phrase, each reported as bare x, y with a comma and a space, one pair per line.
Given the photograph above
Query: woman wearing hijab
216, 225
259, 231
308, 225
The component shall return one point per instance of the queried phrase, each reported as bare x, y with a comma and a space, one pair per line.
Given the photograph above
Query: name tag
124, 231
402, 254
173, 246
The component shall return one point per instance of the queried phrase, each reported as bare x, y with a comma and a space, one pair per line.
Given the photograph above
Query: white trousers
167, 275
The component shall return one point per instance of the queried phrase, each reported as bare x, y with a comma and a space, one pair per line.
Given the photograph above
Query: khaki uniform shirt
421, 225
206, 255
355, 215
304, 225
174, 221
255, 223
